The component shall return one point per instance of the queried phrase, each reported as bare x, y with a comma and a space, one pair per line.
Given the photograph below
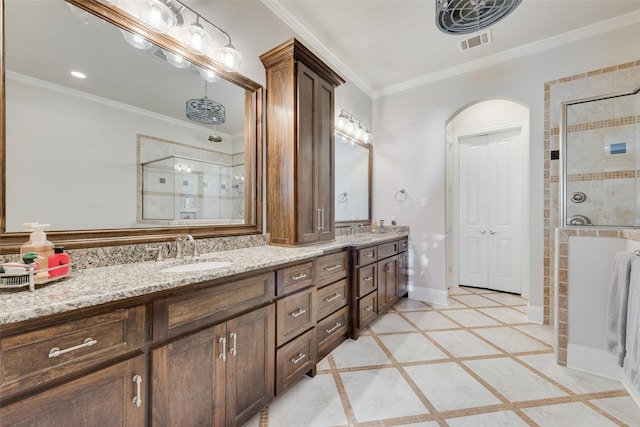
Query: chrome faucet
189, 238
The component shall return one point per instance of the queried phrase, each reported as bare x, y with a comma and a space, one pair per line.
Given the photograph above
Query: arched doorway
488, 196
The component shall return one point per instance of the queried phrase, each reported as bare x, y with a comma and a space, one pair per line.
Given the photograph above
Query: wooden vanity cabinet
403, 268
300, 125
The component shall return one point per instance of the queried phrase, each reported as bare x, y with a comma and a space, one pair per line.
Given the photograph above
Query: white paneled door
490, 210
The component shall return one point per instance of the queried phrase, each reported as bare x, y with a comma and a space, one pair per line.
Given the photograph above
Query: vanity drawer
332, 297
294, 360
331, 331
387, 249
331, 268
294, 278
294, 315
403, 245
367, 309
367, 255
44, 354
183, 313
367, 280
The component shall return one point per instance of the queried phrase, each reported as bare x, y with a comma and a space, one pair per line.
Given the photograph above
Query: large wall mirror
353, 162
113, 158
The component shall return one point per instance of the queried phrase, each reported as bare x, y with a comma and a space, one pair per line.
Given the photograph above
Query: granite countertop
95, 286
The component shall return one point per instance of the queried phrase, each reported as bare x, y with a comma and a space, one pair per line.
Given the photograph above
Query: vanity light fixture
470, 16
350, 128
230, 58
136, 41
209, 75
158, 15
196, 38
176, 60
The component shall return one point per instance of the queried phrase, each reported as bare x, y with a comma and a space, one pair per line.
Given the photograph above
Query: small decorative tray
30, 277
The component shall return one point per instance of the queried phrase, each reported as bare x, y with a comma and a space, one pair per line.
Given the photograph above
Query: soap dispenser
39, 244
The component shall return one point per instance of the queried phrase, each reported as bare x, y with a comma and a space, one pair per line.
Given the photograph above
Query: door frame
452, 201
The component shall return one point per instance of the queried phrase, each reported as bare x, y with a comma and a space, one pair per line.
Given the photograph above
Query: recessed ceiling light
78, 74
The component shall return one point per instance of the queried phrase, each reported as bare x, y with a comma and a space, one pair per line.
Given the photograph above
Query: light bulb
197, 39
358, 133
341, 122
367, 137
351, 127
176, 60
136, 41
230, 58
157, 15
209, 75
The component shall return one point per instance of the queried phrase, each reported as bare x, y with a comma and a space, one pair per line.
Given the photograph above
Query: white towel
616, 332
632, 358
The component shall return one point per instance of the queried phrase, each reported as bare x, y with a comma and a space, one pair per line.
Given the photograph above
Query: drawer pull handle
368, 255
223, 356
335, 328
335, 267
137, 400
300, 357
333, 298
368, 308
299, 277
55, 351
368, 279
298, 312
234, 337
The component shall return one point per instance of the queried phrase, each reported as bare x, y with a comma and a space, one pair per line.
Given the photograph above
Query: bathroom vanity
140, 344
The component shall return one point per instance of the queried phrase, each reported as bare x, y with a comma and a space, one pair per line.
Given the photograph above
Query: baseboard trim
633, 392
535, 314
594, 361
429, 295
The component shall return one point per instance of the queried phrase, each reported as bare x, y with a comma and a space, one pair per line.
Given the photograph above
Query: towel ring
343, 197
401, 195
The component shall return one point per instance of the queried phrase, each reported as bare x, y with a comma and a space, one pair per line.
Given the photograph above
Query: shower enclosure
599, 168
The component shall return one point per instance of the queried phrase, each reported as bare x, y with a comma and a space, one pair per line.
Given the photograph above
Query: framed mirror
353, 165
116, 157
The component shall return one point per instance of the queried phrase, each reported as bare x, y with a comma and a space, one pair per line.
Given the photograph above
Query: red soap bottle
58, 258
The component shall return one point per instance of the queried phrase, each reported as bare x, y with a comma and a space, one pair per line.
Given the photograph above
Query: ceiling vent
475, 41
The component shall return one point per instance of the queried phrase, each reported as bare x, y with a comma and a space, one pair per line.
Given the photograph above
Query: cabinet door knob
234, 337
137, 400
223, 356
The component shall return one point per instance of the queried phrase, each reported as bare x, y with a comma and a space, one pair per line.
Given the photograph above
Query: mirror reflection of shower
599, 164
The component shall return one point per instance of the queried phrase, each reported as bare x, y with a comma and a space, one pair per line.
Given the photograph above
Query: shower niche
180, 189
599, 161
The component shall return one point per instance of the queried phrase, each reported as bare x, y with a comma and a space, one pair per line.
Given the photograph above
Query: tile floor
476, 362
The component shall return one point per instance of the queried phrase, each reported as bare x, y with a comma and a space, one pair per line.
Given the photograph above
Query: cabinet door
387, 283
189, 380
403, 274
308, 213
250, 364
103, 398
324, 158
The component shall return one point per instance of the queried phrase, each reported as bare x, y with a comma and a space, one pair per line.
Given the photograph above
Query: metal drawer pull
335, 328
335, 267
55, 351
234, 337
299, 277
333, 298
223, 356
368, 255
298, 312
318, 225
368, 279
137, 399
368, 308
295, 360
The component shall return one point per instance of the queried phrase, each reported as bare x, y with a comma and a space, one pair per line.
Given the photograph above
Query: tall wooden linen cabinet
300, 164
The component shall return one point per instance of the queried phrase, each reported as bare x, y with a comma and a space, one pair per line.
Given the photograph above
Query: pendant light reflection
209, 75
351, 129
136, 41
157, 15
176, 60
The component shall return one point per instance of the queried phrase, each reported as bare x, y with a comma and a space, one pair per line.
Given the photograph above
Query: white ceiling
388, 45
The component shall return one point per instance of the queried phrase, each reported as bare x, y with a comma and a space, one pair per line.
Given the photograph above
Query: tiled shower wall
617, 79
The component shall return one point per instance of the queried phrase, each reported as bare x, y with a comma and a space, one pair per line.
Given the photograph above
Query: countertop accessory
401, 195
18, 275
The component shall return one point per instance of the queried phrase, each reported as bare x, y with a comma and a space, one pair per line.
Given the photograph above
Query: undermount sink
198, 266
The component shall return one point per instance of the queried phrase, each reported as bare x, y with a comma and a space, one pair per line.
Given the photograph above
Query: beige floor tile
451, 303
413, 347
576, 381
379, 394
492, 419
463, 343
364, 351
475, 300
311, 402
505, 314
542, 333
471, 318
449, 387
459, 291
511, 340
430, 320
521, 308
507, 299
390, 322
567, 415
407, 304
512, 380
623, 408
482, 291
